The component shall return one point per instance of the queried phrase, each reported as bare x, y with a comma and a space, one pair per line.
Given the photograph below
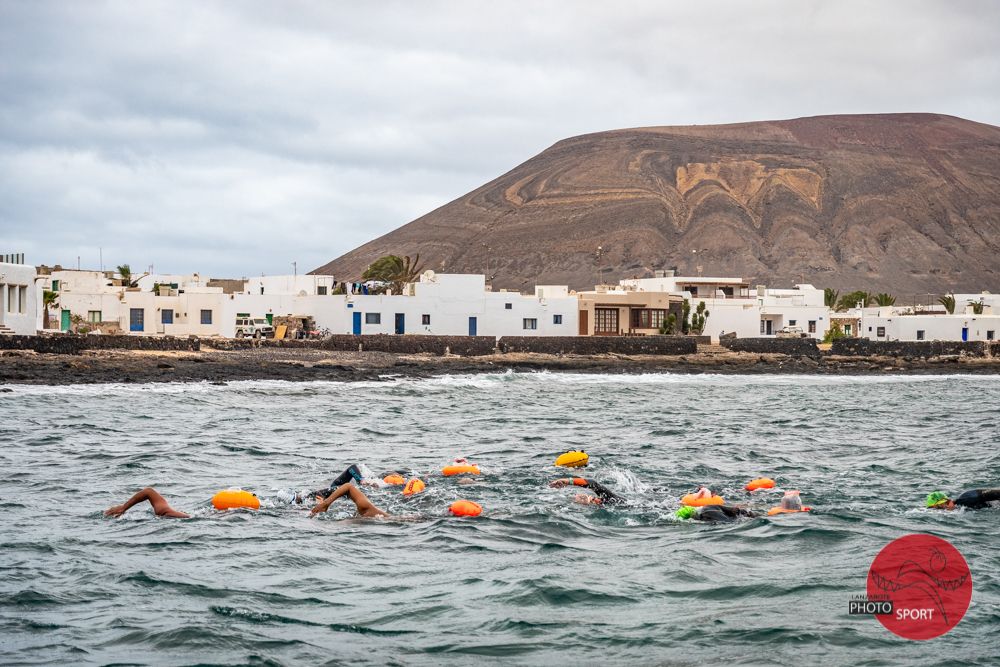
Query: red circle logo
928, 582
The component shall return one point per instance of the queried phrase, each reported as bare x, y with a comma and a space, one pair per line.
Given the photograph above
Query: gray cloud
236, 138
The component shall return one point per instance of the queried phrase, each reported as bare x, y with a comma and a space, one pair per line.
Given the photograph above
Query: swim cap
685, 512
791, 501
936, 498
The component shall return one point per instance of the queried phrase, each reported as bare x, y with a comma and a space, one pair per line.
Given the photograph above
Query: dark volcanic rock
905, 203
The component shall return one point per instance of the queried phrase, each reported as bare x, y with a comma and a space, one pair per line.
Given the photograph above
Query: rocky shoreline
298, 365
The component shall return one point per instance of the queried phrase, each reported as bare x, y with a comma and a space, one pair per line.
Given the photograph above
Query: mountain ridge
907, 203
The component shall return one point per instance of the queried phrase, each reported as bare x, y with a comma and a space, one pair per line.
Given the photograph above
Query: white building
734, 306
93, 296
20, 299
890, 323
444, 304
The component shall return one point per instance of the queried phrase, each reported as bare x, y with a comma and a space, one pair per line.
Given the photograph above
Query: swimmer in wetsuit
365, 507
721, 513
603, 495
974, 499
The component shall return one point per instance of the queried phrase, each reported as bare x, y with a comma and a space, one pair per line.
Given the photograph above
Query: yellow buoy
573, 459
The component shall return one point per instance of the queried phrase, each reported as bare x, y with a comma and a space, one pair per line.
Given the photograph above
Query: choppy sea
537, 579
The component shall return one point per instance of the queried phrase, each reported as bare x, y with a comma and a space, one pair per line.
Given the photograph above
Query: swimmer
974, 499
160, 505
604, 495
715, 513
365, 507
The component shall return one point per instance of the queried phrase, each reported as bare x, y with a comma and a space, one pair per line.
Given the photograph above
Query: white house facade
20, 299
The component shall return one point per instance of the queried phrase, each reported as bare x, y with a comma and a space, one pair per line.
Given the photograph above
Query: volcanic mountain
904, 203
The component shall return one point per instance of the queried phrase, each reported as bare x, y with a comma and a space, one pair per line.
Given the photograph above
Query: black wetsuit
977, 499
352, 473
607, 496
721, 513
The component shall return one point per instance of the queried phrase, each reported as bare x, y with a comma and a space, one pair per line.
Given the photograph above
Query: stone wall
863, 347
659, 345
790, 346
73, 344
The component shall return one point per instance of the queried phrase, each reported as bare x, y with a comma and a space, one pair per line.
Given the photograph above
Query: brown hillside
905, 203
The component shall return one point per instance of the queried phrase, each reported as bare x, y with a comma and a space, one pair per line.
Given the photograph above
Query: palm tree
883, 299
948, 301
49, 299
830, 296
395, 270
852, 299
125, 271
977, 307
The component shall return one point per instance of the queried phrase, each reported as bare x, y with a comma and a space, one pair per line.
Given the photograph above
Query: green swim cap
685, 512
936, 498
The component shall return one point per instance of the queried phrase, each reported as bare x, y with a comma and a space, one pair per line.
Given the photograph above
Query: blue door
400, 324
136, 317
965, 333
472, 326
357, 324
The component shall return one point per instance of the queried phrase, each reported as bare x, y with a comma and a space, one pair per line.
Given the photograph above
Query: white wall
934, 327
19, 298
290, 285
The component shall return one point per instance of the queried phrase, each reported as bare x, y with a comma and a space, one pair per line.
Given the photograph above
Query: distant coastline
300, 365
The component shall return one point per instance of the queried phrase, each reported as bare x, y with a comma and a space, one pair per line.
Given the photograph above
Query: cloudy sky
237, 138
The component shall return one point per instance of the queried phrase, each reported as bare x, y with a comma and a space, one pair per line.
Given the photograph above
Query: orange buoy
448, 471
760, 483
692, 500
394, 479
465, 508
413, 486
782, 510
232, 499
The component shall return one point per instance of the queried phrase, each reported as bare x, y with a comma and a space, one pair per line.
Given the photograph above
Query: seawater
537, 579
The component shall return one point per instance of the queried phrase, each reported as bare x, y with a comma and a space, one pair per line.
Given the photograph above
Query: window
880, 332
11, 297
508, 306
22, 301
869, 329
812, 326
425, 319
94, 316
530, 323
727, 291
167, 316
557, 319
606, 321
206, 316
321, 290
847, 329
693, 289
920, 334
648, 318
373, 318
791, 323
55, 285
762, 326
991, 334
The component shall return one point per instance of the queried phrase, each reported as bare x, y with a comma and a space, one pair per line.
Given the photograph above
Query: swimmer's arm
559, 483
160, 505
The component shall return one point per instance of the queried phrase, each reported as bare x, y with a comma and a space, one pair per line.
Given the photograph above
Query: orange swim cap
394, 479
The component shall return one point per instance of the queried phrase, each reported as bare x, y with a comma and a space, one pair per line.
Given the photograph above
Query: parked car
253, 327
791, 332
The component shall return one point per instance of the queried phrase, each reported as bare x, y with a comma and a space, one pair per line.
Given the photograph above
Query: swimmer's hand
115, 511
584, 499
320, 506
559, 483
